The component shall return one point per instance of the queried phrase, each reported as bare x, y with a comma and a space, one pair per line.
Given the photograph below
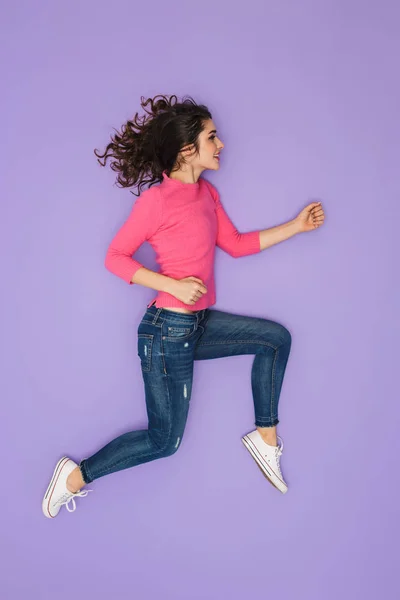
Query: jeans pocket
145, 346
179, 332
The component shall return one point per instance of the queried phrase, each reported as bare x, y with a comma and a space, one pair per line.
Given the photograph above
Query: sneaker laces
277, 449
69, 499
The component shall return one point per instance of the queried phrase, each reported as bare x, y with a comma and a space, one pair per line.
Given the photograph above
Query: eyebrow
213, 131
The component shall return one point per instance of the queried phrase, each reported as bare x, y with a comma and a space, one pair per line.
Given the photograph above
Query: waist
180, 310
173, 307
170, 314
165, 300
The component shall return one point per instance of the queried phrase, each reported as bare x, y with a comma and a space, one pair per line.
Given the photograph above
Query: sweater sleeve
228, 238
141, 224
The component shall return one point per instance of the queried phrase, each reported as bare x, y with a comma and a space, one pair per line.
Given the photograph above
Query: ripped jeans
168, 344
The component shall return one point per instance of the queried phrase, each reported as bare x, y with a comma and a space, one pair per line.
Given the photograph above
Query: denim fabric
168, 344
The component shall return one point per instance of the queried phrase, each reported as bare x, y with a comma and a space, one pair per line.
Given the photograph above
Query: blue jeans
168, 344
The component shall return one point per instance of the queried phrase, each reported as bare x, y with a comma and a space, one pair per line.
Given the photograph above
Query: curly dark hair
149, 145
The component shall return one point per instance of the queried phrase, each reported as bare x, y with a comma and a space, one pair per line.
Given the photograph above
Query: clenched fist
188, 290
311, 217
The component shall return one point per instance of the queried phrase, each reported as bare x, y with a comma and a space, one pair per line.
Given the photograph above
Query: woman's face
209, 148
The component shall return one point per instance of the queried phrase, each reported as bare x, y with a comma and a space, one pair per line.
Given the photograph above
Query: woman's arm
154, 280
280, 233
188, 290
142, 222
311, 217
242, 244
228, 237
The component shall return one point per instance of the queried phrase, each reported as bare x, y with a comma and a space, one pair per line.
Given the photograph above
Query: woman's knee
286, 336
172, 447
282, 336
168, 445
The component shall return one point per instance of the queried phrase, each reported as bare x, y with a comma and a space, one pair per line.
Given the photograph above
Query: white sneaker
267, 458
57, 493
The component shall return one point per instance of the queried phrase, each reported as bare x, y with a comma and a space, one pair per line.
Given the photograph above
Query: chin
213, 167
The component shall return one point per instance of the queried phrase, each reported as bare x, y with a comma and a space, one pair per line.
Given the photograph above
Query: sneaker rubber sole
47, 497
263, 465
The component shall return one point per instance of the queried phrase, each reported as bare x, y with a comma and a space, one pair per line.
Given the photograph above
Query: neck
188, 175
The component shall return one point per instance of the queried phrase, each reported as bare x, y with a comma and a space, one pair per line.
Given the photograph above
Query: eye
212, 137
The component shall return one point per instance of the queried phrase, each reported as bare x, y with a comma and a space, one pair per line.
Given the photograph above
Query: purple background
306, 98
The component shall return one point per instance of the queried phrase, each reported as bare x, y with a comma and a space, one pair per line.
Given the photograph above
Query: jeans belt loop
156, 316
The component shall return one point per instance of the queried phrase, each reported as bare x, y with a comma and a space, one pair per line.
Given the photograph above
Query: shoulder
151, 194
212, 189
149, 199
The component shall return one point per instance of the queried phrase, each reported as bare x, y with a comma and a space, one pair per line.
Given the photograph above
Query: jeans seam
162, 353
273, 379
260, 342
110, 468
160, 451
263, 423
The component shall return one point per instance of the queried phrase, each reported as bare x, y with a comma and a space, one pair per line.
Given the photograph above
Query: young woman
183, 219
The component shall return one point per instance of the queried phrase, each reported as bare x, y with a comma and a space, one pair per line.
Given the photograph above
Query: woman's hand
311, 217
188, 290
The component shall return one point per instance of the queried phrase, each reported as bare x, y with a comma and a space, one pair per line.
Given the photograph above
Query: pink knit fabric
183, 222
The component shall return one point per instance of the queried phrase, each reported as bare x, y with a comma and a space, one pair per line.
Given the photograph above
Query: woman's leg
228, 334
167, 375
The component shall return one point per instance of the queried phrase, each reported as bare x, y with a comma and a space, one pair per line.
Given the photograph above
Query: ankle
75, 481
268, 435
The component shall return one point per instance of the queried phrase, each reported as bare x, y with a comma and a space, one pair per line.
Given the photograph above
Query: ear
187, 149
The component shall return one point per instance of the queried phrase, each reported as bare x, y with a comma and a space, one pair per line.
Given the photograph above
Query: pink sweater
183, 222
